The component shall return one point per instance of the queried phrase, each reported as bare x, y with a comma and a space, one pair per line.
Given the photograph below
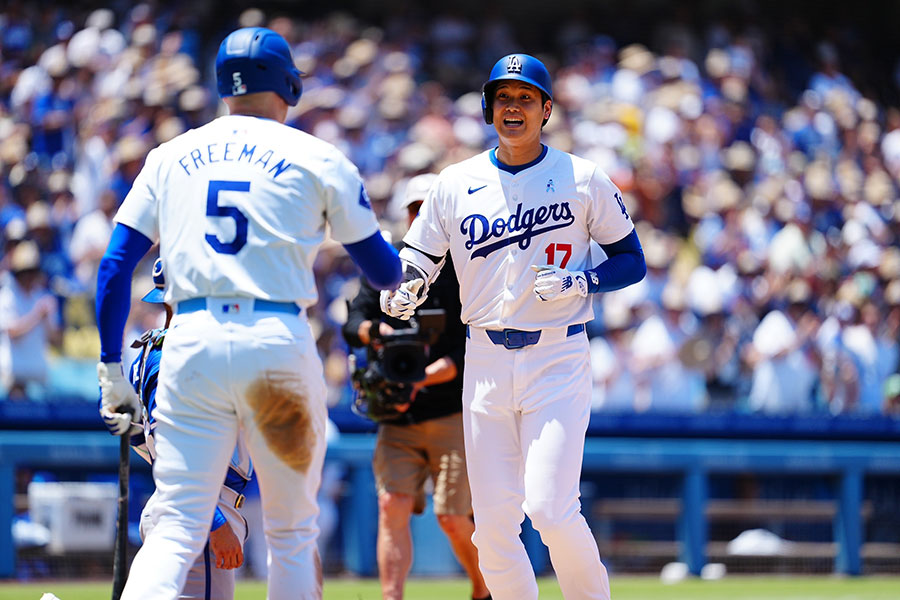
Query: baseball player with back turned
239, 207
518, 221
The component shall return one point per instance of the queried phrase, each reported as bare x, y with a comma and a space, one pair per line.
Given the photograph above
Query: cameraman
425, 435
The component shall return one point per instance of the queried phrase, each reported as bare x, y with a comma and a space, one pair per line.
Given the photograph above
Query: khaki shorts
405, 455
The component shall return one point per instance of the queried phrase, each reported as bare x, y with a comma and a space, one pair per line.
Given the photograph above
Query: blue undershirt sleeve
126, 248
378, 260
218, 519
624, 265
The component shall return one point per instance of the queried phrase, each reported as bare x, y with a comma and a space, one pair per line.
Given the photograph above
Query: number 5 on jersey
565, 251
214, 209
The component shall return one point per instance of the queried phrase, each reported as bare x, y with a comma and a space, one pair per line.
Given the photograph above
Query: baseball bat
120, 559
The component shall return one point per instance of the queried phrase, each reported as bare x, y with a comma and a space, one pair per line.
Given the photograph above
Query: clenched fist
554, 283
118, 402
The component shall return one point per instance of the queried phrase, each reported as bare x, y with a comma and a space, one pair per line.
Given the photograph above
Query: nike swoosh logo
473, 190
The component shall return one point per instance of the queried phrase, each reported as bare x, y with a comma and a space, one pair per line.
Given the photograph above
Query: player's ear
548, 108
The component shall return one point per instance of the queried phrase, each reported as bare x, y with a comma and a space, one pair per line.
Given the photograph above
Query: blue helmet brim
154, 296
515, 77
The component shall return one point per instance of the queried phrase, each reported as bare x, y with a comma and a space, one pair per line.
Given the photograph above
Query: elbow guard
416, 264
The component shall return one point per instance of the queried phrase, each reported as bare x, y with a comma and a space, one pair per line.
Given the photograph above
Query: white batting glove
553, 283
403, 302
118, 402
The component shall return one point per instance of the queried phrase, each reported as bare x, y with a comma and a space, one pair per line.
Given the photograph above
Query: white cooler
80, 516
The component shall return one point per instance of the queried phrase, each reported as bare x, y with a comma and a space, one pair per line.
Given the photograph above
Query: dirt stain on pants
281, 412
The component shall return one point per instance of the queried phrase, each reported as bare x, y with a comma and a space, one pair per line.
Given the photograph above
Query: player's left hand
226, 548
554, 283
119, 405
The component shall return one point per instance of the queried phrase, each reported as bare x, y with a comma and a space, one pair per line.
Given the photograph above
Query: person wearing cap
784, 379
212, 574
422, 438
29, 321
53, 112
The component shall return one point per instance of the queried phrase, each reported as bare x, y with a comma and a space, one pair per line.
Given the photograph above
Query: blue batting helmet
521, 67
256, 59
155, 296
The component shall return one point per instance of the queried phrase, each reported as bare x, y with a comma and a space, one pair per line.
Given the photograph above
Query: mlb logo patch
232, 308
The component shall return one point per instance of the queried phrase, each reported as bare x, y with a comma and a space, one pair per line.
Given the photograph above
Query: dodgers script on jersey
497, 223
205, 178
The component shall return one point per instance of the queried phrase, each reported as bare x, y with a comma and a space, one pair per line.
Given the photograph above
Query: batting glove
118, 402
403, 302
554, 283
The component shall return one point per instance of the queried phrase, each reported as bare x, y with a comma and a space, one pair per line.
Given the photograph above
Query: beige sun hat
25, 257
637, 58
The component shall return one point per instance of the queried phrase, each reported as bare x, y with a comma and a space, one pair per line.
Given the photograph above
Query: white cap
417, 188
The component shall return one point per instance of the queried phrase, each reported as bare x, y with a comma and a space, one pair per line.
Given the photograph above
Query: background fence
813, 505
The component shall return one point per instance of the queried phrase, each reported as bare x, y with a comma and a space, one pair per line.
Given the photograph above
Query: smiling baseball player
518, 221
240, 207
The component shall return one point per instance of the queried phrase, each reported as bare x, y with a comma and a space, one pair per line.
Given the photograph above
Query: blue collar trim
516, 168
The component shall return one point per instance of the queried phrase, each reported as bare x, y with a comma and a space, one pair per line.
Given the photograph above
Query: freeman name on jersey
479, 230
228, 152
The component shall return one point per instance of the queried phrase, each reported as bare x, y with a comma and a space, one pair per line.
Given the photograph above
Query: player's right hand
226, 548
118, 402
403, 302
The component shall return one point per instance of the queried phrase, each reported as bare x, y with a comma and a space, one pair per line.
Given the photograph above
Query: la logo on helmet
513, 64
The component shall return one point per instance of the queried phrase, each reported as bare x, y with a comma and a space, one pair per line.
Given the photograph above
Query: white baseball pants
226, 369
525, 415
205, 580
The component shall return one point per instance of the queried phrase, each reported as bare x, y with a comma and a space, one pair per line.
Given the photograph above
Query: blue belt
195, 304
513, 339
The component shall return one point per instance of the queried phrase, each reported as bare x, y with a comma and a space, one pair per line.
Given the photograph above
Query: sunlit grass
623, 588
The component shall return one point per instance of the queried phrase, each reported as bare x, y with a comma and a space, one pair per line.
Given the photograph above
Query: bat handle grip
120, 558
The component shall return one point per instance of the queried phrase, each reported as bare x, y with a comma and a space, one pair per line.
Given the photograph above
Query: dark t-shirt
437, 400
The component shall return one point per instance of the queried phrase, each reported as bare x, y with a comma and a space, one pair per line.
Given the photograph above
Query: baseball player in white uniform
239, 207
518, 221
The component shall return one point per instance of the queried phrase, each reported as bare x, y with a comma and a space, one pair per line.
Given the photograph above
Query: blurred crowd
766, 200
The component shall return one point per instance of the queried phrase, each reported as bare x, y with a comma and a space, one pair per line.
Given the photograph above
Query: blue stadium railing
74, 413
692, 447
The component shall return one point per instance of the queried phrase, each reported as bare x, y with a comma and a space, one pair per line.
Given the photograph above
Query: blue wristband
218, 519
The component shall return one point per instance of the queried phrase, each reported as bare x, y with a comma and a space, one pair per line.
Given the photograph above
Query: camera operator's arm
440, 371
367, 332
362, 312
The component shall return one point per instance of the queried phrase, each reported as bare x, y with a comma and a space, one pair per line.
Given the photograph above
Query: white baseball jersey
240, 207
496, 224
244, 201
